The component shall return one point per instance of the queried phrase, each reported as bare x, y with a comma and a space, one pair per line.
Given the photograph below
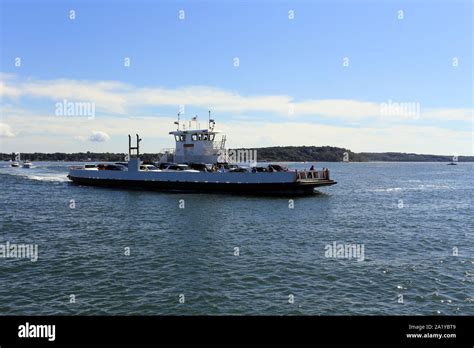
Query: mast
130, 147
138, 146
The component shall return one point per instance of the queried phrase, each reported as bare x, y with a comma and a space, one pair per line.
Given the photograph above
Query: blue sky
281, 61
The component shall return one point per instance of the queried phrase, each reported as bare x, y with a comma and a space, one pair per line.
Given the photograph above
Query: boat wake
37, 176
51, 178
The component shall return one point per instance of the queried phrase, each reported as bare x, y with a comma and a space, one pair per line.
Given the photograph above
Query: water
408, 216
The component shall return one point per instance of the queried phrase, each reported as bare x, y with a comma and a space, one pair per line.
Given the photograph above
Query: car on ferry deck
149, 167
179, 167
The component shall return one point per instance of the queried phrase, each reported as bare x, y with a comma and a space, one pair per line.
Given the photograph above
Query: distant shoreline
259, 161
265, 154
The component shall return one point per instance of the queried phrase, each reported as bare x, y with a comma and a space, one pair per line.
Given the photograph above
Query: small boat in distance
200, 163
452, 164
27, 164
16, 160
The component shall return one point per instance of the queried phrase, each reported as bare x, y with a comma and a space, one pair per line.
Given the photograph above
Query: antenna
211, 121
177, 123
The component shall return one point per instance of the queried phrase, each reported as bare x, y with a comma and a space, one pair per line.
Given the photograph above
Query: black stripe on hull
177, 186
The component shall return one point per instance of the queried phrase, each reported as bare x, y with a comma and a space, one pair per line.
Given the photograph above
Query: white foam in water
38, 176
386, 189
59, 178
417, 188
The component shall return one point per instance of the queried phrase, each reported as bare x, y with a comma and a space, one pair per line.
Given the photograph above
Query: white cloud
47, 133
108, 96
446, 114
80, 138
58, 132
120, 98
99, 136
5, 131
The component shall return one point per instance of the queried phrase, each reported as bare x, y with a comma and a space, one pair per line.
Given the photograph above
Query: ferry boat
199, 163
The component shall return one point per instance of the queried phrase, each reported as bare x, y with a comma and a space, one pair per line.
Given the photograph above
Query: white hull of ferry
278, 182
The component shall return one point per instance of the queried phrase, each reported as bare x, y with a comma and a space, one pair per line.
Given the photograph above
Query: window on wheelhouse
182, 137
211, 136
194, 137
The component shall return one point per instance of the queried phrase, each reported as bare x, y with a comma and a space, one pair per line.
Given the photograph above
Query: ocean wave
422, 187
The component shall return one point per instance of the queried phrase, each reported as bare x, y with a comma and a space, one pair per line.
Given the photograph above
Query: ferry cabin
197, 146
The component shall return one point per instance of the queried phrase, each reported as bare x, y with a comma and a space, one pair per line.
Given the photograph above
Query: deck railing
312, 174
169, 150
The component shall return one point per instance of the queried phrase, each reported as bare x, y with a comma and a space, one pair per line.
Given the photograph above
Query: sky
370, 76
